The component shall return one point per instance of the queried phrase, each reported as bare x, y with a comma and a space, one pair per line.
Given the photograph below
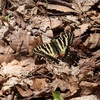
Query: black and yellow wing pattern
57, 47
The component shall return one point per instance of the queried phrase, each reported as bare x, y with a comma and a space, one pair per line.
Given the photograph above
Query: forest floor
28, 24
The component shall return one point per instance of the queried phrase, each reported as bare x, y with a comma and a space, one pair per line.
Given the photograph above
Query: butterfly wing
57, 47
62, 43
47, 50
70, 36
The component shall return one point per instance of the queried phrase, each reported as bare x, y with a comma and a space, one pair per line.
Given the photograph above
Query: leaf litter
27, 24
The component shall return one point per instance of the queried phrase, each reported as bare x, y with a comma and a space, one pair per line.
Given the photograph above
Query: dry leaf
83, 5
82, 29
21, 9
6, 58
1, 93
39, 84
4, 31
4, 49
20, 20
21, 41
34, 11
88, 84
58, 69
63, 85
88, 87
93, 41
43, 23
46, 39
1, 80
57, 7
89, 97
23, 92
69, 84
2, 46
15, 73
94, 16
10, 83
16, 68
97, 53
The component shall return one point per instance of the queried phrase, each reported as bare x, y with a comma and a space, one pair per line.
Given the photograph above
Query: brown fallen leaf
21, 41
82, 29
6, 58
39, 84
58, 83
88, 65
1, 80
88, 97
23, 92
21, 9
2, 4
93, 41
95, 27
88, 87
2, 46
43, 23
97, 53
69, 84
88, 84
4, 49
60, 8
20, 20
78, 44
4, 29
1, 93
16, 68
93, 15
84, 5
15, 73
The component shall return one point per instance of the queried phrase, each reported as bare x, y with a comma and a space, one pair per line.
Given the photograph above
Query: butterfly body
56, 48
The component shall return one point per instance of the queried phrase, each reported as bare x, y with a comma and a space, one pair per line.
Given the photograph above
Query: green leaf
46, 3
57, 95
7, 17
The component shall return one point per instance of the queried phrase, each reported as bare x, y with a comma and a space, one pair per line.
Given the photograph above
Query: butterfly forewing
46, 50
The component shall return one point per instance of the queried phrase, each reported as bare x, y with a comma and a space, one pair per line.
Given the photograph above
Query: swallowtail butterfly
56, 48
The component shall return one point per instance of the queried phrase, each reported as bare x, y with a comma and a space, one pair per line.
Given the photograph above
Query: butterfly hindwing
62, 43
70, 38
68, 41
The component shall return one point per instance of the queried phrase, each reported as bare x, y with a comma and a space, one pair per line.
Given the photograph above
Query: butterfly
56, 48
